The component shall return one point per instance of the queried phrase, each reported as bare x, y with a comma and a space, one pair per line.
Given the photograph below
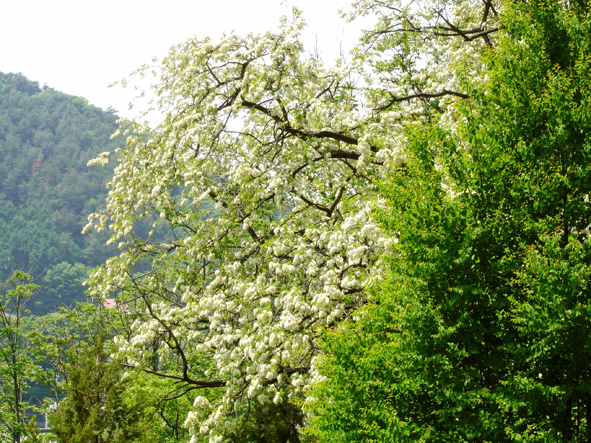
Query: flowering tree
482, 328
259, 186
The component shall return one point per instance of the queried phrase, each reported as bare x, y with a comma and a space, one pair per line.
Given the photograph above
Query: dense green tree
480, 331
97, 408
268, 423
34, 433
165, 407
63, 336
64, 281
60, 335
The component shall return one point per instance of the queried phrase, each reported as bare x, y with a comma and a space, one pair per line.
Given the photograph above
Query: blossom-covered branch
258, 188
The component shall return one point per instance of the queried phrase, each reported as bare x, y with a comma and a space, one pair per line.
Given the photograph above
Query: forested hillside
46, 188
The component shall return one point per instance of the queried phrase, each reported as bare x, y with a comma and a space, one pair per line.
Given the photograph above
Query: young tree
480, 331
96, 408
260, 183
64, 335
18, 358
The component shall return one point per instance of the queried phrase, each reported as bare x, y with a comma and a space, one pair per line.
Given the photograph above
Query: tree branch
420, 95
304, 135
197, 383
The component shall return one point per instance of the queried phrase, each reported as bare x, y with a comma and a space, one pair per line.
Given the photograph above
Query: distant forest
46, 188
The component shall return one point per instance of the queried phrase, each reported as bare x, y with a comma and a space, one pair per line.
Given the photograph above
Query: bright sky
79, 47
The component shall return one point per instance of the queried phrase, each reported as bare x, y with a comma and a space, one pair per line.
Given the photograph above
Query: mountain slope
46, 189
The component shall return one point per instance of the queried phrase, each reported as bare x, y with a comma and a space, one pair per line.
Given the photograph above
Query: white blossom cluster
258, 188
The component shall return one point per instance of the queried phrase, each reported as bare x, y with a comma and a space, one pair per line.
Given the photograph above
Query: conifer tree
96, 409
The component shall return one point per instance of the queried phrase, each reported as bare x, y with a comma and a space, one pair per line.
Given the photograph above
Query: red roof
109, 303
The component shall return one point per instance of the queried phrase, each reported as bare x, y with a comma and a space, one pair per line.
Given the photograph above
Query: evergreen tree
96, 408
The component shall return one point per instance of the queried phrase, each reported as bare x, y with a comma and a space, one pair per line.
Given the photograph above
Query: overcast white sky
79, 47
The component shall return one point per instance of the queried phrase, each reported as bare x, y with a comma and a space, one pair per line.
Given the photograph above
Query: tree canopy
480, 329
260, 186
96, 408
391, 248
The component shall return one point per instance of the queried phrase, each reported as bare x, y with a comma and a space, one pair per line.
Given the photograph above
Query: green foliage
34, 433
96, 407
59, 335
61, 340
64, 281
480, 332
18, 356
164, 411
268, 423
46, 189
